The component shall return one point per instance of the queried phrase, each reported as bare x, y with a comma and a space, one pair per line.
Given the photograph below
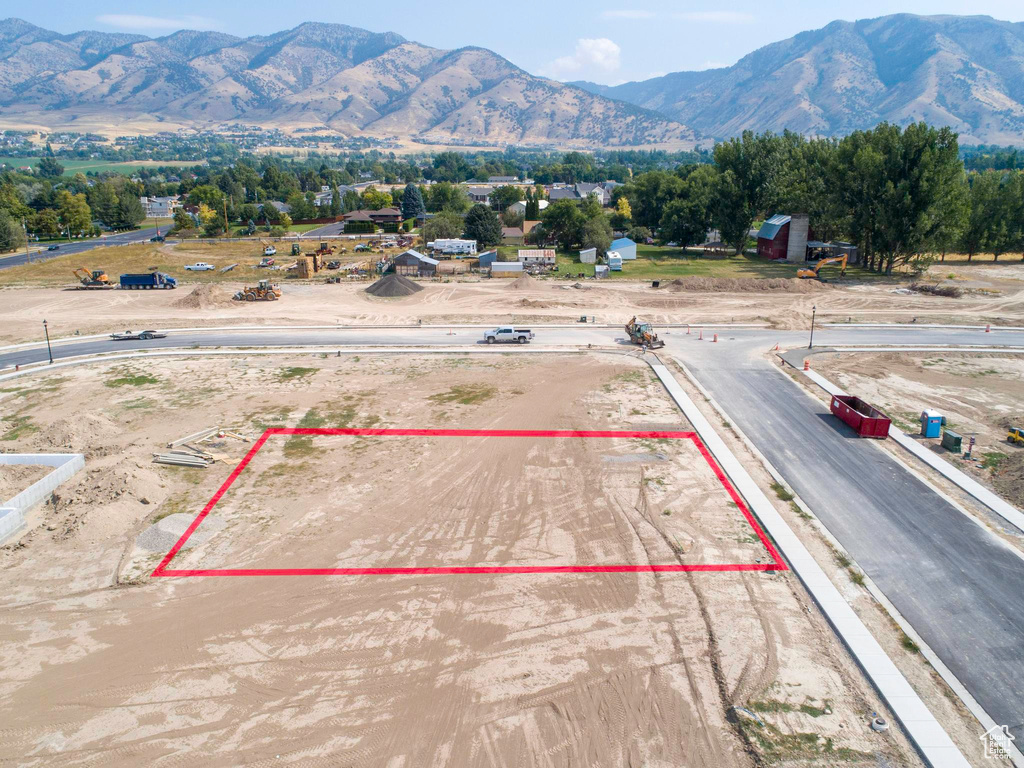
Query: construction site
336, 526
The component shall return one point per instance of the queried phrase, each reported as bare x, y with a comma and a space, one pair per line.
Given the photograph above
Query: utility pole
226, 231
814, 311
49, 350
28, 251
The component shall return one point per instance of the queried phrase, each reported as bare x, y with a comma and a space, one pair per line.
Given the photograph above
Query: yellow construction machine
643, 334
262, 291
92, 278
1016, 436
813, 271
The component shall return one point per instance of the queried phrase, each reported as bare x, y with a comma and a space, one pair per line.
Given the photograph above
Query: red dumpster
865, 419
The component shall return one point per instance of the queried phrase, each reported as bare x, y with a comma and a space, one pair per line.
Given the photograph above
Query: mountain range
963, 71
966, 72
315, 76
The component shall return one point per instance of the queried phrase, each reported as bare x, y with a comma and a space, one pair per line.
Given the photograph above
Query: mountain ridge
963, 71
315, 75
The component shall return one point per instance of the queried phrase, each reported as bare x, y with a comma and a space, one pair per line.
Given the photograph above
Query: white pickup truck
199, 266
506, 334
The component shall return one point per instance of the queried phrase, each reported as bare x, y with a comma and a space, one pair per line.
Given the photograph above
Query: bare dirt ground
980, 396
15, 478
103, 665
995, 294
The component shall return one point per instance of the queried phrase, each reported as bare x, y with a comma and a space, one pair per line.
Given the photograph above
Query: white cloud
156, 23
592, 56
713, 65
627, 14
716, 17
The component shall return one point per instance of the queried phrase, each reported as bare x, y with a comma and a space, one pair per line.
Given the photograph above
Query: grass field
661, 263
71, 167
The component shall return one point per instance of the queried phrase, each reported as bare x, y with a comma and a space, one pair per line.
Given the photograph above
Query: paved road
960, 587
957, 585
327, 230
81, 246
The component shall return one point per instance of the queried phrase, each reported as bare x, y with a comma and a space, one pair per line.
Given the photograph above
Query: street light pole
49, 350
814, 311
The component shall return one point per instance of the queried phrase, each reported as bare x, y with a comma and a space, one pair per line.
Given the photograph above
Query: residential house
563, 193
160, 207
386, 216
480, 195
520, 207
593, 190
537, 257
512, 235
500, 180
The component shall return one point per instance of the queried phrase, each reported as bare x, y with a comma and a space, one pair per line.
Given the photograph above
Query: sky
596, 40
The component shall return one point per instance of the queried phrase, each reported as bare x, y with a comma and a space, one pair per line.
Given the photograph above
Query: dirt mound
524, 283
394, 285
204, 297
1008, 479
747, 285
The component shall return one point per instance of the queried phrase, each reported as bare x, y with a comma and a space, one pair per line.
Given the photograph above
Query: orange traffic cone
715, 340
988, 329
807, 364
701, 337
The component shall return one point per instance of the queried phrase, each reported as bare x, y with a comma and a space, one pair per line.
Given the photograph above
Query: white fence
12, 511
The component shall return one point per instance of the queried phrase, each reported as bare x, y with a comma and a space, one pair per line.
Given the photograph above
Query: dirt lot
980, 395
995, 294
15, 478
102, 664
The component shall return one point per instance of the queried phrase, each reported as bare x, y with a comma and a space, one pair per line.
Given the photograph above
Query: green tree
688, 218
442, 226
751, 167
448, 197
45, 222
49, 168
12, 235
183, 220
482, 224
597, 233
564, 222
103, 201
74, 212
130, 212
374, 199
503, 197
335, 208
412, 202
451, 167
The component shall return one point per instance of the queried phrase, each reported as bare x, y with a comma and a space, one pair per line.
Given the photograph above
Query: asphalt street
960, 587
81, 246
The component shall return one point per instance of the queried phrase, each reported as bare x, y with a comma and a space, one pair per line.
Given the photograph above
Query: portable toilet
931, 423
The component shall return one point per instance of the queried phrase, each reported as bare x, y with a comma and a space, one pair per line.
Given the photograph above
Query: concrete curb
960, 479
923, 325
920, 725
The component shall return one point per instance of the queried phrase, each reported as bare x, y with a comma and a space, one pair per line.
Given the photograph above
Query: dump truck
506, 334
148, 281
262, 291
92, 278
865, 419
643, 334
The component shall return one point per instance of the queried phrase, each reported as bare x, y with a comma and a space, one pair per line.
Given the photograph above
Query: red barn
773, 237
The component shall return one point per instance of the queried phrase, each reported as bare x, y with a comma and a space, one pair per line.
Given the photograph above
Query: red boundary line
777, 563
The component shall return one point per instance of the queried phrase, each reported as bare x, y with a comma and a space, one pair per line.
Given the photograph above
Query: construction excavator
813, 272
92, 278
643, 334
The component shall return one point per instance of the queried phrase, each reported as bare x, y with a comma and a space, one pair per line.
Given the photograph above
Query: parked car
53, 248
199, 266
157, 239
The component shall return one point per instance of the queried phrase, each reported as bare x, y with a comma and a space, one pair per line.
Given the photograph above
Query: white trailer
614, 261
453, 247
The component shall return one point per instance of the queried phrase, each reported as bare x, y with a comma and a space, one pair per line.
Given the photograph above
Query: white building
542, 257
520, 207
589, 256
160, 207
625, 247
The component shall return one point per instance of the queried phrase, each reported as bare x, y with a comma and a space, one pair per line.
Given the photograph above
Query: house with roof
415, 264
512, 235
563, 193
593, 190
520, 207
625, 247
160, 207
502, 180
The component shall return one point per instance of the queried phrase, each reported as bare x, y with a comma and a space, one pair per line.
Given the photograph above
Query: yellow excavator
643, 334
813, 272
92, 278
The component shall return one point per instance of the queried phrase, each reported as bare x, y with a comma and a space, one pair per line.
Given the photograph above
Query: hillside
319, 76
963, 71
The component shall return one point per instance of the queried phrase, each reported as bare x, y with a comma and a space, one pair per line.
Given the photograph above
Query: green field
662, 263
71, 167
